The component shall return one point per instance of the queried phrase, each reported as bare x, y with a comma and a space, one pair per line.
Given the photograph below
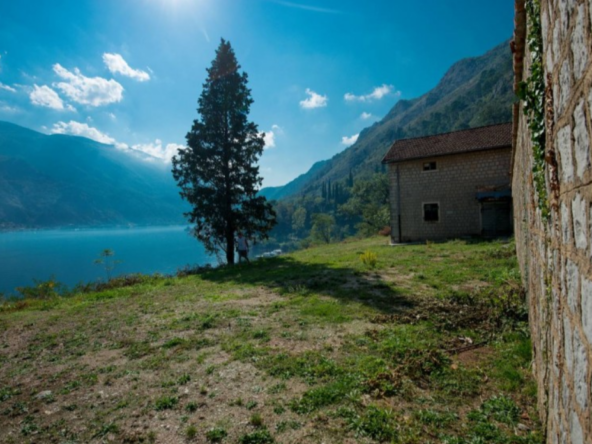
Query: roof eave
408, 159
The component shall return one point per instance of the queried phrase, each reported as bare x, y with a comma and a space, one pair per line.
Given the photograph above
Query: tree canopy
217, 172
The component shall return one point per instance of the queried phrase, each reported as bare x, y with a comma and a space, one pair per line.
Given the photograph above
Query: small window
431, 212
429, 166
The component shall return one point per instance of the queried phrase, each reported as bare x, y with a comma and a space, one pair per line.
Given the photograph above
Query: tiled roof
476, 139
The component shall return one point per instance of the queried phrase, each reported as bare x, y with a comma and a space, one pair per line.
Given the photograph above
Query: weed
256, 420
499, 408
175, 342
166, 403
262, 335
376, 423
183, 379
251, 405
191, 432
278, 388
191, 406
106, 429
322, 396
279, 409
237, 402
438, 419
369, 259
283, 426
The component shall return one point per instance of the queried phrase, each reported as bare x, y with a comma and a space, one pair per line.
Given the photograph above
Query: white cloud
82, 129
112, 116
269, 139
48, 98
117, 65
366, 116
378, 93
270, 136
156, 150
347, 141
159, 151
7, 109
306, 7
7, 88
314, 100
93, 91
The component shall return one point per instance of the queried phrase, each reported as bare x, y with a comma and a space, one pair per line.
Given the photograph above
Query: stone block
580, 378
567, 345
565, 231
564, 147
579, 47
579, 212
587, 308
572, 281
582, 140
577, 436
565, 81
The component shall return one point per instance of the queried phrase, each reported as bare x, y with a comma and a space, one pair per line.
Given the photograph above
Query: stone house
451, 185
552, 185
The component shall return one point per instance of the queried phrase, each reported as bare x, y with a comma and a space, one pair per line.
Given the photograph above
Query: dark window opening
429, 166
431, 212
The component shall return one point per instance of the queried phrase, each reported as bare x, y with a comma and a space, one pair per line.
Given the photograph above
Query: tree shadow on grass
290, 276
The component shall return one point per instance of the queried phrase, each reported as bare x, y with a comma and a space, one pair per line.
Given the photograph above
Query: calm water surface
68, 255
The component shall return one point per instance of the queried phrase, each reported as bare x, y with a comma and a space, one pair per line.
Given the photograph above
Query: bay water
68, 255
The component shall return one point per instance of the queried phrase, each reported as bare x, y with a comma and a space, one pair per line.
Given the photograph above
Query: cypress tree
217, 172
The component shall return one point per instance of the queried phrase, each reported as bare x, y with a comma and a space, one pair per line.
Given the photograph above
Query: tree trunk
230, 247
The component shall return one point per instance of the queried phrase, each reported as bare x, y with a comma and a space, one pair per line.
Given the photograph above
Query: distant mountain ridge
474, 92
59, 180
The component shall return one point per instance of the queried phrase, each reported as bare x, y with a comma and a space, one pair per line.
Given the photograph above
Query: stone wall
555, 254
453, 185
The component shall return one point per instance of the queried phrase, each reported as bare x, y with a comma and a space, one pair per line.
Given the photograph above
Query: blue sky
129, 72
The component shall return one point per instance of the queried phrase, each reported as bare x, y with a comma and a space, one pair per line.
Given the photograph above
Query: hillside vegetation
474, 92
356, 342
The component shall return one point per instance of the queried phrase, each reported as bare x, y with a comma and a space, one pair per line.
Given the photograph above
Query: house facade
451, 185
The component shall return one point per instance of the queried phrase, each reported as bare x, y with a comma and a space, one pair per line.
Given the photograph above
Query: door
496, 218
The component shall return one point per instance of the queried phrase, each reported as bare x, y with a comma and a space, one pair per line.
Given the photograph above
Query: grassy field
414, 344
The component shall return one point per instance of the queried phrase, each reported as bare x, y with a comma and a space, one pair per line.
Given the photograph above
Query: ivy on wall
532, 94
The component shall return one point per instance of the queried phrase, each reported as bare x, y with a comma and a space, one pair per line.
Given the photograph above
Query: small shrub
386, 231
369, 259
43, 289
217, 434
261, 436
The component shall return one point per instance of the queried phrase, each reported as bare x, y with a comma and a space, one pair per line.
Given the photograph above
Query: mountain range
59, 180
474, 92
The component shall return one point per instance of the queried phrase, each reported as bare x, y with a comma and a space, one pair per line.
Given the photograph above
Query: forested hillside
58, 180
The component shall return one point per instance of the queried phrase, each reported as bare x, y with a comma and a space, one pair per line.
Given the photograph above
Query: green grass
315, 346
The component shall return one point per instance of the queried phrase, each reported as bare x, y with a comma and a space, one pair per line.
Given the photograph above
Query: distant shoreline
23, 228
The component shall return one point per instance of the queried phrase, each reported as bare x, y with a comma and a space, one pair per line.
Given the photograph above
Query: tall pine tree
217, 172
